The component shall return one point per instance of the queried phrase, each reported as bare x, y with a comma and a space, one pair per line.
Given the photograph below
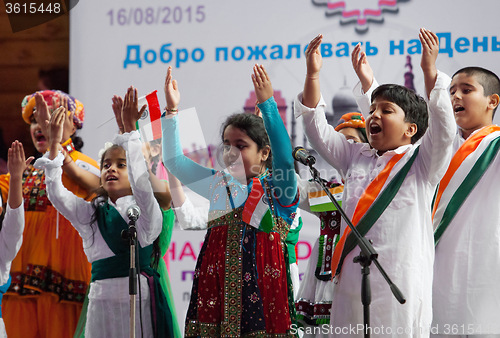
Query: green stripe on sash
463, 191
376, 209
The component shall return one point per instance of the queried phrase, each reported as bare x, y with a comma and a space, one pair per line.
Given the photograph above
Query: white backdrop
103, 31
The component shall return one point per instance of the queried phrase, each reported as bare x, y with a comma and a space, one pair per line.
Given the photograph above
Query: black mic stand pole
365, 258
131, 234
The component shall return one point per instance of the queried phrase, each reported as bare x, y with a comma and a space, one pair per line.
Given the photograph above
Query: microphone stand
131, 234
365, 258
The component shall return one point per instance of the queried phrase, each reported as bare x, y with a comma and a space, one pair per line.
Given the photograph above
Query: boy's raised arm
314, 61
430, 50
362, 68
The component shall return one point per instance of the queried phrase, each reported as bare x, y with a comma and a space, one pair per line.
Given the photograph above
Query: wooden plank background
22, 56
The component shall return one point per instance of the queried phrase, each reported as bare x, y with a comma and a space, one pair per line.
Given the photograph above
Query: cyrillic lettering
495, 45
257, 52
400, 47
289, 54
193, 54
233, 53
476, 44
187, 273
342, 49
278, 53
178, 58
447, 44
163, 50
415, 47
217, 53
150, 52
371, 50
326, 50
460, 43
137, 60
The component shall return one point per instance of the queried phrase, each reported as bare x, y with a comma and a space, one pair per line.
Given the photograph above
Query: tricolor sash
447, 202
370, 206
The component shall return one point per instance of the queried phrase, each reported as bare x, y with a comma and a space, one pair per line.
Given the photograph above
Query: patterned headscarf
352, 120
74, 106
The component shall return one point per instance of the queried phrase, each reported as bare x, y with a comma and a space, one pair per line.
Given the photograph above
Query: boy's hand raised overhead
262, 84
314, 61
430, 50
362, 67
172, 94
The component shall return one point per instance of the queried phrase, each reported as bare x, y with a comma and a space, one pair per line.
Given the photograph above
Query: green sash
118, 266
465, 188
376, 209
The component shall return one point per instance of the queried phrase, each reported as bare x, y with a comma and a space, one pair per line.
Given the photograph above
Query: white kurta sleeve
364, 100
332, 146
11, 238
191, 217
149, 224
436, 146
74, 209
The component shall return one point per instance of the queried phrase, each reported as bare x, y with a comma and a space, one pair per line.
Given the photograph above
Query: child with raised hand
11, 234
241, 284
124, 183
466, 217
50, 274
389, 185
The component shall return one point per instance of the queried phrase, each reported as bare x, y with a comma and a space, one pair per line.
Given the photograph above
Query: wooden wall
22, 55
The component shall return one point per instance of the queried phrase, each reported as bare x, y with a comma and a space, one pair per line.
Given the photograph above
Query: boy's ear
494, 100
412, 130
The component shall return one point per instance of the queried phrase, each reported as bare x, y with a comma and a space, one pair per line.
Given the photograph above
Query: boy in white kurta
403, 235
466, 270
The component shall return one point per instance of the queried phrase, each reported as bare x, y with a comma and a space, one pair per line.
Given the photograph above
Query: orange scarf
364, 203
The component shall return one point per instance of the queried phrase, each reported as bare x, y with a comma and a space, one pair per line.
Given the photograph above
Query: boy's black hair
413, 106
253, 126
486, 78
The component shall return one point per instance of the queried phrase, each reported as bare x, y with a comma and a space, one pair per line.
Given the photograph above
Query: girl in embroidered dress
241, 285
50, 274
124, 182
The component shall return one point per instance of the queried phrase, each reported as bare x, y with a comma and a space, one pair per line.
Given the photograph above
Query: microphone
133, 212
301, 155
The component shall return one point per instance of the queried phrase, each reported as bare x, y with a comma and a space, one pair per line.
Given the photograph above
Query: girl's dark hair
253, 126
101, 197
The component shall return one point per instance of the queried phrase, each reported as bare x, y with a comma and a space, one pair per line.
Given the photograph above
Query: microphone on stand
301, 155
133, 213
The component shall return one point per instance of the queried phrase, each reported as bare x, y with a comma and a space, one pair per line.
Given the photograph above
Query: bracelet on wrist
68, 146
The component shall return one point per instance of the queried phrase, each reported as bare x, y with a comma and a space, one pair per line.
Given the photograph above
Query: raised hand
362, 67
172, 94
130, 111
117, 106
41, 113
314, 60
69, 127
262, 84
56, 126
16, 161
430, 51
